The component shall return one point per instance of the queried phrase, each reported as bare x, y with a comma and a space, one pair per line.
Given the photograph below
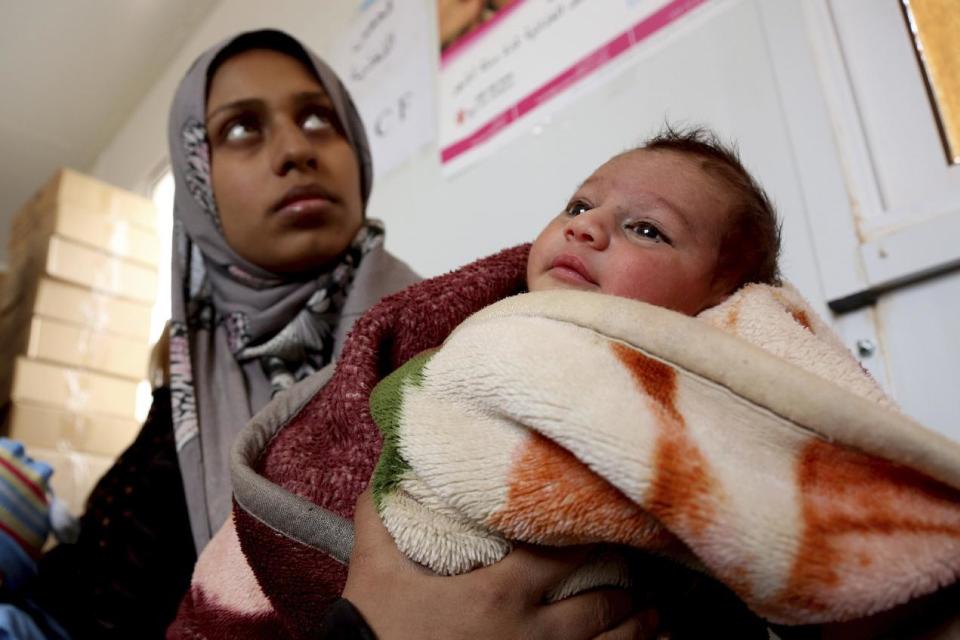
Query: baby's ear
720, 290
727, 279
714, 300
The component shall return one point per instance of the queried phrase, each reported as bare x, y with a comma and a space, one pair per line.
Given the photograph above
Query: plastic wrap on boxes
78, 264
79, 346
47, 427
90, 313
94, 228
70, 188
81, 265
73, 389
100, 312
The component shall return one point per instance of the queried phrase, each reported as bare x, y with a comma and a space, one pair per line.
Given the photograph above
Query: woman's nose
292, 149
588, 227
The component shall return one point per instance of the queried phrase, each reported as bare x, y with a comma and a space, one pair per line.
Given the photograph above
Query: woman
274, 260
274, 173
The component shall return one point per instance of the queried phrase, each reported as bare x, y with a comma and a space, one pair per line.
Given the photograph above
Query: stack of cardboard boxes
75, 320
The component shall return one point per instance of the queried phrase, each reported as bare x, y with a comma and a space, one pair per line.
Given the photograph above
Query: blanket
747, 442
280, 560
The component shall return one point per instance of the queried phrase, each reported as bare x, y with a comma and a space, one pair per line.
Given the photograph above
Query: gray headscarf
238, 332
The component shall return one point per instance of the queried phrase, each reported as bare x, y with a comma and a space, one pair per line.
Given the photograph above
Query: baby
562, 417
566, 417
678, 223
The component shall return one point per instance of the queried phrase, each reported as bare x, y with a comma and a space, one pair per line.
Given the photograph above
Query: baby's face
646, 225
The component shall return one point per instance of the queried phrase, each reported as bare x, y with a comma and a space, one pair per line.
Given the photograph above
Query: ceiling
71, 72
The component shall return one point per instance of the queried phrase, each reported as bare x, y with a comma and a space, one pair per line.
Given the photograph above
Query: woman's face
285, 179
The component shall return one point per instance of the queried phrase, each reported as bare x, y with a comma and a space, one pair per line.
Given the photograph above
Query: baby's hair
750, 248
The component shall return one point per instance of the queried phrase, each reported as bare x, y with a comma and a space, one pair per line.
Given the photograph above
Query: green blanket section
386, 407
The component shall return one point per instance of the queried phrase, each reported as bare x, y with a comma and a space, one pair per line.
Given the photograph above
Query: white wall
139, 148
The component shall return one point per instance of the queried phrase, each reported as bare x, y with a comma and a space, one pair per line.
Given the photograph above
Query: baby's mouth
571, 269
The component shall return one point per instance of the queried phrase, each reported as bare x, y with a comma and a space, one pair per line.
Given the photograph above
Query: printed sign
514, 57
387, 63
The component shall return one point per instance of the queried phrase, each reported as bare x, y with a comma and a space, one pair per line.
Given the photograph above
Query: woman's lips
304, 203
307, 206
571, 269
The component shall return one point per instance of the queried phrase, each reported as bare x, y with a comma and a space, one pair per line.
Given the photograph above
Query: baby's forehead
660, 157
643, 170
645, 180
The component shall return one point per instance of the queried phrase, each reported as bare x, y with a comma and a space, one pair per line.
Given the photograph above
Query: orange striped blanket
747, 442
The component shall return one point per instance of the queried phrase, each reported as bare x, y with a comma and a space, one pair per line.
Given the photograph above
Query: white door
886, 224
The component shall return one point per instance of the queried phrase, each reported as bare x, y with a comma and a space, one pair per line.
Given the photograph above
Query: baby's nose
588, 229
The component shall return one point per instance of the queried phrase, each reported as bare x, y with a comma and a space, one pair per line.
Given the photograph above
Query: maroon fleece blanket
326, 453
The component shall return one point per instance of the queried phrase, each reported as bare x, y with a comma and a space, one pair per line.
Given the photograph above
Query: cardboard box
98, 311
73, 389
78, 264
74, 474
46, 427
78, 346
68, 187
94, 228
82, 308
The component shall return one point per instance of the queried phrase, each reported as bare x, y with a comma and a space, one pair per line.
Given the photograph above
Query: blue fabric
17, 449
16, 567
26, 513
24, 620
23, 520
18, 624
21, 478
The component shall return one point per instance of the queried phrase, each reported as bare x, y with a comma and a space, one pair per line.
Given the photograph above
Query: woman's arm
399, 599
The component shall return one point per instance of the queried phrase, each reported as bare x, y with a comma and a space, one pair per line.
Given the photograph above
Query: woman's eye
315, 122
239, 131
648, 231
577, 207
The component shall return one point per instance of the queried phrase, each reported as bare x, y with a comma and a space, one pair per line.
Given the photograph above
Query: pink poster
500, 61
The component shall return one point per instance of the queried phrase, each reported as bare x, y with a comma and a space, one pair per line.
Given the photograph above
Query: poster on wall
501, 60
387, 63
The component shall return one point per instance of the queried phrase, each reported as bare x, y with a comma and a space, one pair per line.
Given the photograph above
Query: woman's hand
400, 599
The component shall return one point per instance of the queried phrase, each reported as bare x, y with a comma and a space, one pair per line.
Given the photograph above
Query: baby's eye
577, 207
649, 231
315, 122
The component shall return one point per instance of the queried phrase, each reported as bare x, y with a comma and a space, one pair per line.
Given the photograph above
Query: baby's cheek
533, 270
